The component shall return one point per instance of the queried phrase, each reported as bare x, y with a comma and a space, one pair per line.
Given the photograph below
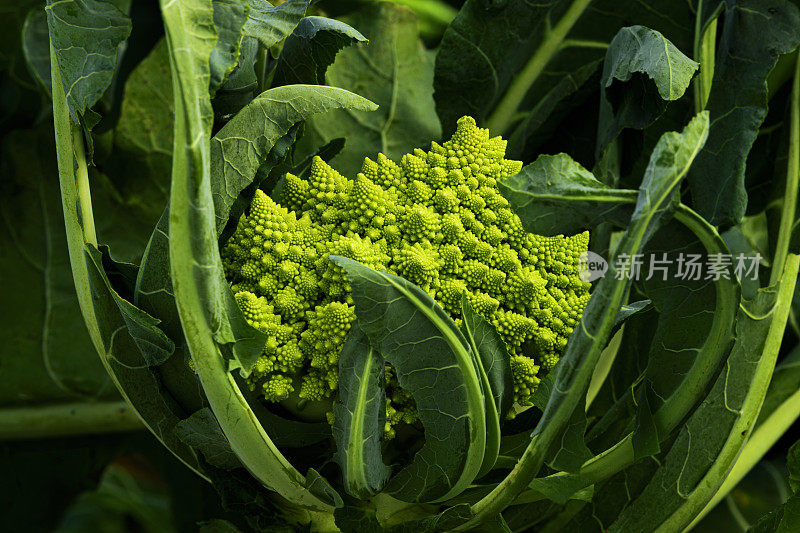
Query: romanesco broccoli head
436, 218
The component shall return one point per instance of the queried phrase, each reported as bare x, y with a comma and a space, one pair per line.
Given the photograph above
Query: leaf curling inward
412, 333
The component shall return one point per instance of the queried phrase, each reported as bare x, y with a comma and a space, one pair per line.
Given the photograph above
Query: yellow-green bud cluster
438, 219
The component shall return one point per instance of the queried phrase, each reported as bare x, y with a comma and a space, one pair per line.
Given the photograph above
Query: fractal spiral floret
437, 219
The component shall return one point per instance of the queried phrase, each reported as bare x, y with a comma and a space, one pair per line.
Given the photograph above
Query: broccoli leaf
629, 102
311, 48
229, 19
35, 46
142, 153
784, 519
201, 431
556, 195
270, 24
85, 35
414, 334
53, 358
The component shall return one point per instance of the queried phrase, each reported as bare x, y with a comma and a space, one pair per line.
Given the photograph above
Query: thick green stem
705, 40
503, 116
789, 209
434, 11
196, 268
61, 420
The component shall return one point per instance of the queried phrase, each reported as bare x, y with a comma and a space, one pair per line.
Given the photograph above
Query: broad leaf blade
413, 333
52, 358
637, 50
141, 160
35, 46
555, 195
85, 35
311, 48
229, 19
270, 24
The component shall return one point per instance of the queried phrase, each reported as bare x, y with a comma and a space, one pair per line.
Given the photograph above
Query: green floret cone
436, 218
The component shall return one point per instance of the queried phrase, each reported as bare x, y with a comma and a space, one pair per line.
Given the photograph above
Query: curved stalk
705, 37
84, 190
792, 168
67, 154
195, 264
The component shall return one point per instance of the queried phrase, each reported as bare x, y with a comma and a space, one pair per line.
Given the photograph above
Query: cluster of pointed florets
437, 219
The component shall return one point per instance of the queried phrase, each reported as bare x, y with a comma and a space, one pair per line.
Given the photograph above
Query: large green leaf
413, 333
201, 431
754, 34
359, 416
311, 48
85, 35
637, 51
784, 519
394, 71
154, 345
36, 47
270, 24
555, 195
242, 145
